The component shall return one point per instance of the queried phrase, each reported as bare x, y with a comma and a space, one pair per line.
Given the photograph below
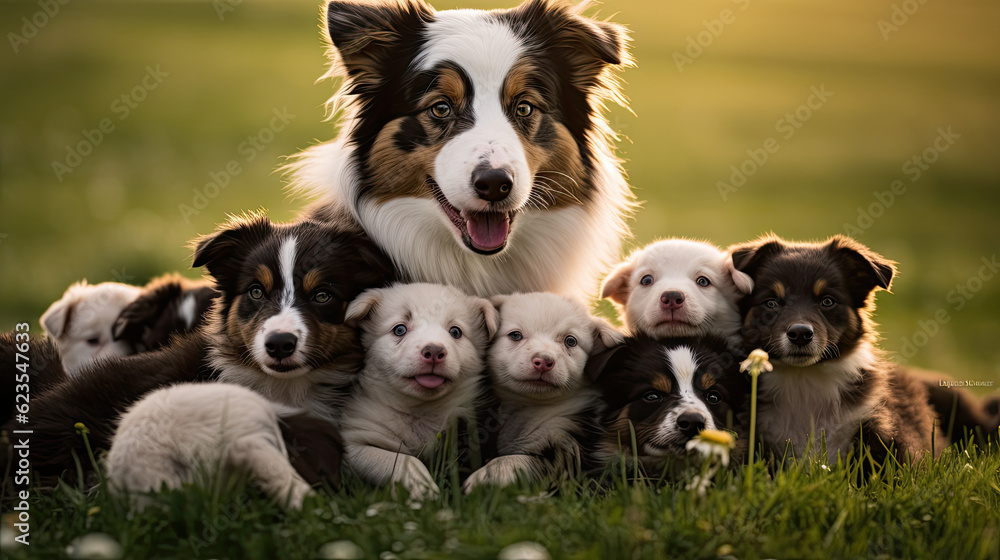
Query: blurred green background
115, 214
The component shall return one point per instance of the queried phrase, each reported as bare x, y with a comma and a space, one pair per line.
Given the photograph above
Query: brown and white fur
679, 288
543, 402
424, 358
811, 311
473, 147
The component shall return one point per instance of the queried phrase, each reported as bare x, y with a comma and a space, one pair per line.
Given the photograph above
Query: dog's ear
362, 307
601, 362
605, 335
616, 285
56, 318
747, 257
373, 270
865, 269
741, 279
219, 252
368, 35
491, 317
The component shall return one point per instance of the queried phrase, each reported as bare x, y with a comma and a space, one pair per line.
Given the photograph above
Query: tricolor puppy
168, 306
474, 150
424, 349
81, 323
677, 288
277, 327
542, 405
660, 394
811, 311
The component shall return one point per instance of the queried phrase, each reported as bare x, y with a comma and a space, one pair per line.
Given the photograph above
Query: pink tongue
429, 381
488, 230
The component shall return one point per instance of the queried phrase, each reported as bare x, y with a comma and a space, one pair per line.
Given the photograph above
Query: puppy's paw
414, 476
297, 494
502, 471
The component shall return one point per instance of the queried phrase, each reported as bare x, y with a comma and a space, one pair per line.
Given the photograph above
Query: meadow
128, 128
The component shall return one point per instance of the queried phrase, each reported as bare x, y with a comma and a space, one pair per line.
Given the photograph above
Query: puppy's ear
56, 317
143, 313
362, 307
605, 335
747, 257
865, 269
616, 286
597, 364
742, 280
219, 252
491, 317
375, 269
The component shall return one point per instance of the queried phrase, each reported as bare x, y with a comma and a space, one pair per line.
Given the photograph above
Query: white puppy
542, 399
182, 433
424, 348
81, 322
678, 288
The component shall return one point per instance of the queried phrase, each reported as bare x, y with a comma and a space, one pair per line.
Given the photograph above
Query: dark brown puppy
811, 311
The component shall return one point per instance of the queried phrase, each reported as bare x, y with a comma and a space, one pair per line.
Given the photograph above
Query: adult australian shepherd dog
474, 149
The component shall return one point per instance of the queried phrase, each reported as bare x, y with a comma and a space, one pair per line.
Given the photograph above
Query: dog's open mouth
483, 232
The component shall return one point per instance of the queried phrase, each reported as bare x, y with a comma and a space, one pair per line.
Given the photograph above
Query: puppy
168, 305
679, 288
811, 309
277, 328
657, 395
180, 434
424, 348
543, 405
81, 322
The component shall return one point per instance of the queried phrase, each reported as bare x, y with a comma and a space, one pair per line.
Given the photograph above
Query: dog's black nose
690, 424
493, 185
799, 334
280, 344
672, 300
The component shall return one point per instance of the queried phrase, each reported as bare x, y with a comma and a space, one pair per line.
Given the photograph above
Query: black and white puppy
658, 395
542, 405
811, 311
277, 328
167, 306
424, 358
679, 288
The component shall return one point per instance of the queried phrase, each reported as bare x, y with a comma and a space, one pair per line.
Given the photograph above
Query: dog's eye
771, 303
570, 341
256, 292
455, 332
646, 280
515, 335
94, 341
828, 302
524, 109
399, 330
652, 396
322, 296
713, 397
441, 109
703, 281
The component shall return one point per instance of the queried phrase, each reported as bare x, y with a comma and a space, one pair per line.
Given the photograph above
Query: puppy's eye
571, 341
322, 296
440, 110
771, 303
703, 281
713, 397
515, 335
94, 341
455, 332
399, 330
646, 280
652, 396
828, 302
255, 292
524, 109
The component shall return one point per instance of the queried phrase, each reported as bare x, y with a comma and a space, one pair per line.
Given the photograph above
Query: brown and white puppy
811, 311
168, 306
679, 288
82, 322
542, 405
424, 357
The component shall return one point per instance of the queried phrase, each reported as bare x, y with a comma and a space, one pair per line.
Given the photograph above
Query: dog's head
678, 287
471, 116
81, 322
423, 339
285, 290
168, 305
543, 344
666, 392
811, 301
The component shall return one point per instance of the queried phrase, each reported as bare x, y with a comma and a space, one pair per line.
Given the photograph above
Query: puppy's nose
433, 353
493, 185
690, 424
800, 334
672, 300
543, 363
280, 344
